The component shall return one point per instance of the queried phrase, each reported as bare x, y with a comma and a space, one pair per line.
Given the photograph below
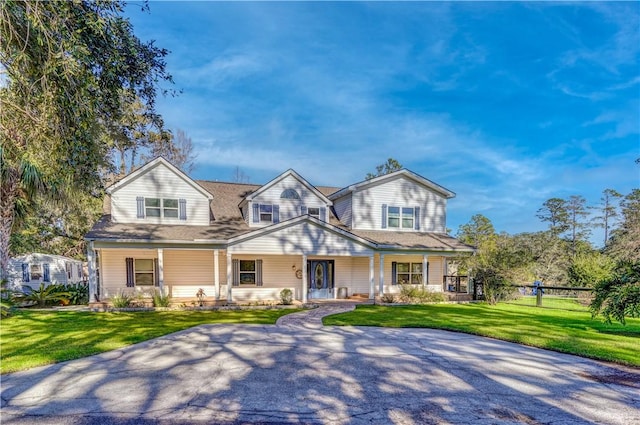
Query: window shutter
182, 204
256, 213
258, 272
384, 216
46, 273
416, 218
394, 268
129, 262
276, 213
140, 202
236, 272
304, 210
323, 213
156, 275
25, 272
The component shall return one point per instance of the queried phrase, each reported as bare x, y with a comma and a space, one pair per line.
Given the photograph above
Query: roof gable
158, 162
289, 173
391, 176
296, 221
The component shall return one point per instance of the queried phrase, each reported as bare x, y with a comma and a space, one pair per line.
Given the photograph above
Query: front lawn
571, 332
36, 338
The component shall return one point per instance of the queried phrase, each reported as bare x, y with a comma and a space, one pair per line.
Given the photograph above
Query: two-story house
239, 242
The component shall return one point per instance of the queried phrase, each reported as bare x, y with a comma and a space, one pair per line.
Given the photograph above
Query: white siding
289, 208
303, 238
342, 206
159, 182
399, 192
57, 270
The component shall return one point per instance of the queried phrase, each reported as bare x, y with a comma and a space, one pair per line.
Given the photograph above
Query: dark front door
320, 278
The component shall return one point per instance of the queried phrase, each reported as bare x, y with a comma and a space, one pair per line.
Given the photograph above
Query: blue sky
506, 104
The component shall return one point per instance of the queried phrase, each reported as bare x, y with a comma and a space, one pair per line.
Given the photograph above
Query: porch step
358, 296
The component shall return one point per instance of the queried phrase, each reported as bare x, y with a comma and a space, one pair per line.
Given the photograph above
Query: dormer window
395, 217
289, 194
314, 212
266, 213
162, 208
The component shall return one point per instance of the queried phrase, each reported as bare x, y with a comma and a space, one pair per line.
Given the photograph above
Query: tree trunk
8, 193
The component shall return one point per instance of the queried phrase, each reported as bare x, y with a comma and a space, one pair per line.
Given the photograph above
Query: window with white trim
144, 272
170, 208
408, 273
69, 268
289, 194
314, 212
158, 207
36, 272
400, 218
266, 213
248, 272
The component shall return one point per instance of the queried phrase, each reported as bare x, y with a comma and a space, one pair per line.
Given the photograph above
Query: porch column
372, 283
425, 270
305, 282
381, 280
160, 270
216, 273
93, 282
229, 277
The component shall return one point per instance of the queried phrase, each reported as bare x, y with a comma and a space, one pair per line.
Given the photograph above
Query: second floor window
400, 218
314, 212
156, 207
266, 213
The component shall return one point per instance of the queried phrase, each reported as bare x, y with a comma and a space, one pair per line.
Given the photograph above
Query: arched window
290, 194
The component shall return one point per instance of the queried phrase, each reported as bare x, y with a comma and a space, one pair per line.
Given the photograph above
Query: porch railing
458, 284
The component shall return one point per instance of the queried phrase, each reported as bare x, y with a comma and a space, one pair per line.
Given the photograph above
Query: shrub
7, 299
388, 298
47, 295
161, 300
415, 294
495, 286
78, 293
286, 296
121, 300
619, 296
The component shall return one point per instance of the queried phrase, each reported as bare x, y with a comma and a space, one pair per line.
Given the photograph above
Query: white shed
33, 269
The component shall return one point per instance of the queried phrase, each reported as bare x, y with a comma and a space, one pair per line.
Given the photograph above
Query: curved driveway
300, 372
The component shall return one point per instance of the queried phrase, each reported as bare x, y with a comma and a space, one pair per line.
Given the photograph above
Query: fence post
538, 297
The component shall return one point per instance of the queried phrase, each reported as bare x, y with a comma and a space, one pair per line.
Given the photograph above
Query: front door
320, 278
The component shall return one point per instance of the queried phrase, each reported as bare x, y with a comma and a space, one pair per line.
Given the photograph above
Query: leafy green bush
121, 300
586, 270
48, 295
618, 297
78, 293
7, 298
161, 300
286, 296
495, 287
416, 294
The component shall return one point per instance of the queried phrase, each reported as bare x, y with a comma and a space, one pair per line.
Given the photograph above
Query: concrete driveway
300, 372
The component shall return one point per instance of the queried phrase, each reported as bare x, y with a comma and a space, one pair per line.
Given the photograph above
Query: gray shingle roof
227, 222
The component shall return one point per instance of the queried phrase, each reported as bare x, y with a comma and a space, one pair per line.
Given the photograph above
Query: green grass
36, 338
550, 301
565, 331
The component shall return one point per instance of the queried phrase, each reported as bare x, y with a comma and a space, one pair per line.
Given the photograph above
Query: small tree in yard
618, 297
